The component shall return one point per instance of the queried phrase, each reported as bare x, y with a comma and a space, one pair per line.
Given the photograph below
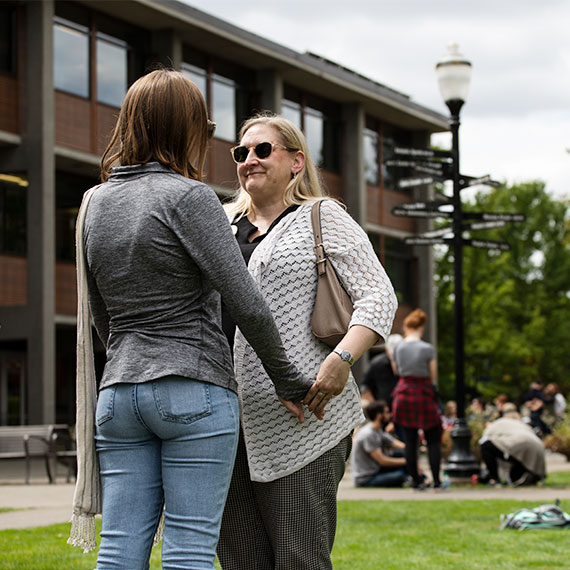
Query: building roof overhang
306, 70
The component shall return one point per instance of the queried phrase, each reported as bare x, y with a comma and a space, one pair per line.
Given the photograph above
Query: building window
7, 39
371, 143
69, 190
398, 261
393, 137
292, 111
383, 137
223, 102
399, 264
71, 57
118, 54
12, 383
319, 119
111, 70
13, 200
314, 132
198, 76
226, 89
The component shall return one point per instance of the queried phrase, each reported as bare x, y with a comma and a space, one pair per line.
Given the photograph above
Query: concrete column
39, 144
270, 85
354, 186
352, 163
167, 48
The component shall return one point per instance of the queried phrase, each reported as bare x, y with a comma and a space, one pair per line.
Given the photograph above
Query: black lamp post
454, 76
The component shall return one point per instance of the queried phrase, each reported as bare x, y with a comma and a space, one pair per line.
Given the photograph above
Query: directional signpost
397, 211
494, 217
437, 233
484, 225
467, 181
424, 153
425, 240
429, 166
487, 244
432, 208
429, 205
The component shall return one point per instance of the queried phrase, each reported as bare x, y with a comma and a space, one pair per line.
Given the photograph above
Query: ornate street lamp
454, 76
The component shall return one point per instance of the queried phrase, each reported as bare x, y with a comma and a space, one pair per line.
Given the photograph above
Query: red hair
415, 319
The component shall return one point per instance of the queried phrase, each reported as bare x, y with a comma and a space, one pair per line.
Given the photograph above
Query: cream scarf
87, 496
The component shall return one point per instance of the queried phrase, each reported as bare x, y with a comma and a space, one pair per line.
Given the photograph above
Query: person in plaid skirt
415, 403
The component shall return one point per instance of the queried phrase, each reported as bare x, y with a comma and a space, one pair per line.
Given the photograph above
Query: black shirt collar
245, 228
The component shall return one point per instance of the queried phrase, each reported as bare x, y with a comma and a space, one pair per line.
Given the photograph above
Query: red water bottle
474, 479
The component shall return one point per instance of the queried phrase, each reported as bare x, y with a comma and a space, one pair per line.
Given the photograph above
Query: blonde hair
510, 411
163, 118
305, 186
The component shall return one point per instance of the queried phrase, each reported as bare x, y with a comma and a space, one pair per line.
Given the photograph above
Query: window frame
310, 104
9, 14
7, 217
99, 27
216, 70
79, 28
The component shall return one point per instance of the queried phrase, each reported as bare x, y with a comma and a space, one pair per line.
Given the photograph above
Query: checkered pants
286, 524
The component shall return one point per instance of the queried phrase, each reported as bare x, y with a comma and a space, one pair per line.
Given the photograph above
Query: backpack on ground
543, 517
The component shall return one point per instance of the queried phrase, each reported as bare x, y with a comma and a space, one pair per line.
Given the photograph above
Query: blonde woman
281, 508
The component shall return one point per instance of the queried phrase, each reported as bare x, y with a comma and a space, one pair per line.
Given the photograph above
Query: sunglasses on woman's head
211, 128
262, 150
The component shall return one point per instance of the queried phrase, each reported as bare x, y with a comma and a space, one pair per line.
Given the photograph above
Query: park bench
52, 442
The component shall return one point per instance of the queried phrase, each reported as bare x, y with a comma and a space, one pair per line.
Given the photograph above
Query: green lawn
558, 479
430, 535
371, 535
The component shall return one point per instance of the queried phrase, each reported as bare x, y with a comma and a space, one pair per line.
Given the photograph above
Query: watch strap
345, 355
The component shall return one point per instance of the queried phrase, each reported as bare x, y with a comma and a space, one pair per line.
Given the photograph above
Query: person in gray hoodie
159, 254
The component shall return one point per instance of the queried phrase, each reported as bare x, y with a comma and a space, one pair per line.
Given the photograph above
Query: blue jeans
168, 442
388, 477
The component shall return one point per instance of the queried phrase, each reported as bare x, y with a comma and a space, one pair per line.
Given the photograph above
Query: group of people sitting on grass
510, 451
400, 401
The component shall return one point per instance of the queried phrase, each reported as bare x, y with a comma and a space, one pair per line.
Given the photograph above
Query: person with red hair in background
415, 404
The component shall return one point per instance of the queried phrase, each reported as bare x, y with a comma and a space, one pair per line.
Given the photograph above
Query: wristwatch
344, 355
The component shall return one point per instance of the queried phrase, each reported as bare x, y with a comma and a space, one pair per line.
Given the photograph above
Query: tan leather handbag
333, 306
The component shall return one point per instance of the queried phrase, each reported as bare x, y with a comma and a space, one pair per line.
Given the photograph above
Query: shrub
559, 439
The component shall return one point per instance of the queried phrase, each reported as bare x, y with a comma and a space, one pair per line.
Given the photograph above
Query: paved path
540, 494
41, 504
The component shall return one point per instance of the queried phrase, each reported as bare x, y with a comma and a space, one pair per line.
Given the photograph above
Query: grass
45, 548
435, 534
558, 479
393, 535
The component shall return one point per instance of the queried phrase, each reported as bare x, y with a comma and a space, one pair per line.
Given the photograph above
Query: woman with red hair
415, 399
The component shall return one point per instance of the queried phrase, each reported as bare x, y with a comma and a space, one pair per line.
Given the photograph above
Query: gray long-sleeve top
160, 252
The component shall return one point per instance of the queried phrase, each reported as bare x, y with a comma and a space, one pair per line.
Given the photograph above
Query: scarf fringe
159, 530
82, 532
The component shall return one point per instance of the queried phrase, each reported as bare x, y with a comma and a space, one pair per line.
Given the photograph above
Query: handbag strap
319, 247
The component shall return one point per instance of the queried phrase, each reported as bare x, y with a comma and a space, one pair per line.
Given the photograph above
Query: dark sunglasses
211, 128
262, 150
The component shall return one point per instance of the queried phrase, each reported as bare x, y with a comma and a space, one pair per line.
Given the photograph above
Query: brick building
64, 69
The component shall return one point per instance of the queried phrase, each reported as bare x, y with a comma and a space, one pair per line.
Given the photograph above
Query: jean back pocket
182, 400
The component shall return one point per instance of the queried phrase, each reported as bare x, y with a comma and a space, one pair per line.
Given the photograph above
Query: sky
515, 124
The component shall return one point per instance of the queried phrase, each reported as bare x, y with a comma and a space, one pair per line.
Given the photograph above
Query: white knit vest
283, 265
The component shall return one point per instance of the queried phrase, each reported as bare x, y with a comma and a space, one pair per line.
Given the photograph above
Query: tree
516, 303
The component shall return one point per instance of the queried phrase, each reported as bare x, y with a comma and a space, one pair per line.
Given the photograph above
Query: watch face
345, 355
